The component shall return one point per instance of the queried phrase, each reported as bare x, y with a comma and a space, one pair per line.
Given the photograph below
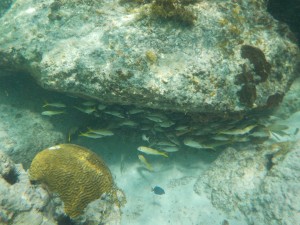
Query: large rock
24, 133
231, 57
262, 183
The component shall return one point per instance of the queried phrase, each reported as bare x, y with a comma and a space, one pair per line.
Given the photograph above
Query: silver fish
52, 113
88, 110
195, 144
54, 104
169, 148
101, 107
102, 132
115, 113
89, 103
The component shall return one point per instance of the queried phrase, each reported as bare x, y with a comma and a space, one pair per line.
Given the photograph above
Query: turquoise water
171, 167
177, 175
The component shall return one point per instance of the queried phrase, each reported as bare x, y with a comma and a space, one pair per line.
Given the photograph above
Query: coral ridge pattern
77, 174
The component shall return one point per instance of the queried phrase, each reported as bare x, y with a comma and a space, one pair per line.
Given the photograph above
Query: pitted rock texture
261, 182
234, 58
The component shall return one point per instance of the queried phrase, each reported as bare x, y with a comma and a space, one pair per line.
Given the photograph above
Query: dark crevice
269, 163
12, 177
64, 220
288, 12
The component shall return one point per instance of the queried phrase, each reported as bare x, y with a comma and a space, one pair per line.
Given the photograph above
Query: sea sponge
77, 174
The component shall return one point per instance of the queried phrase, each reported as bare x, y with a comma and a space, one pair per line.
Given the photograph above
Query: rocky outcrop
260, 182
23, 133
205, 56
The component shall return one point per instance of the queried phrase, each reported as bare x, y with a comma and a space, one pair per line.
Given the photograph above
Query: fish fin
45, 104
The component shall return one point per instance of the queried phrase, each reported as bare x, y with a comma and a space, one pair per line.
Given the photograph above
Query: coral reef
77, 174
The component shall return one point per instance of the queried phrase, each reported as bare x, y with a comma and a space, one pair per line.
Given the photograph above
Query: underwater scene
167, 112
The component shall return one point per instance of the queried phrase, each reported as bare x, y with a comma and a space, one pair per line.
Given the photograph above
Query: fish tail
82, 134
149, 167
164, 154
45, 104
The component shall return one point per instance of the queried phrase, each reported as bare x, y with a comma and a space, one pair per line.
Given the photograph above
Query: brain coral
77, 174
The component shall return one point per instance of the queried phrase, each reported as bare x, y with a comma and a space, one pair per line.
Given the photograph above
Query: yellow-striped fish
54, 104
151, 151
91, 135
102, 132
145, 162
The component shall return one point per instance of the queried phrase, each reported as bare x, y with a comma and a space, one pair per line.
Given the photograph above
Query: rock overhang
234, 58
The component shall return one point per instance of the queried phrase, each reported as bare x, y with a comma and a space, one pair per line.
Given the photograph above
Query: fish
151, 151
101, 107
128, 123
52, 113
145, 138
91, 135
89, 103
155, 119
195, 144
135, 111
88, 110
182, 128
165, 143
221, 138
173, 139
166, 124
145, 162
239, 131
115, 113
102, 132
71, 132
158, 190
54, 104
169, 148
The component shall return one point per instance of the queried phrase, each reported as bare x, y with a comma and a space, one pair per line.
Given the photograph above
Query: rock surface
235, 56
29, 134
261, 183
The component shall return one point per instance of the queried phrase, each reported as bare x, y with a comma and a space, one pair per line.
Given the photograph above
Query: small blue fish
158, 190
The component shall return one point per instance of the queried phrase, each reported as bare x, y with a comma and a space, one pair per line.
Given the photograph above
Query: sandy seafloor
176, 174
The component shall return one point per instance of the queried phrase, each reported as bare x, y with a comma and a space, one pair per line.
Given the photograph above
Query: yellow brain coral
77, 174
